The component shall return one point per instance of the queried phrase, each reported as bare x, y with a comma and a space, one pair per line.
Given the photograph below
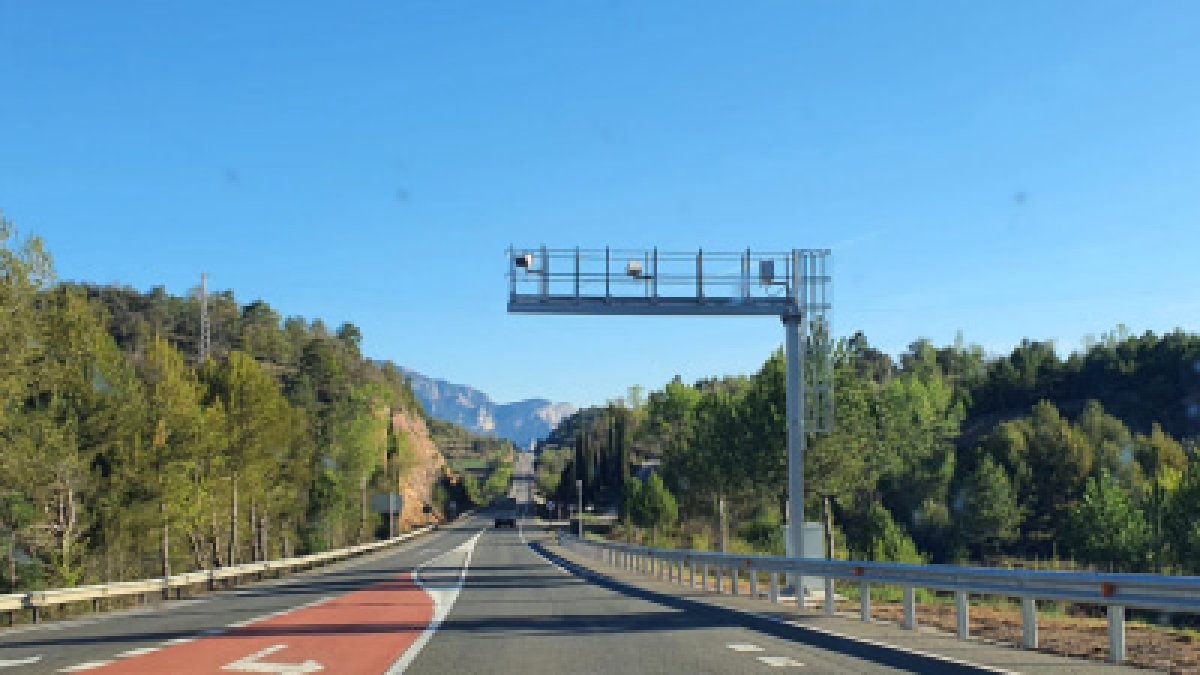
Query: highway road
467, 599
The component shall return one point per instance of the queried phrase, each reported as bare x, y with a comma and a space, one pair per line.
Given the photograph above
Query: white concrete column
1116, 634
1029, 627
962, 611
910, 608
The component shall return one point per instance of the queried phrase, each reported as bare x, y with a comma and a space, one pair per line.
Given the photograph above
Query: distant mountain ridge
521, 422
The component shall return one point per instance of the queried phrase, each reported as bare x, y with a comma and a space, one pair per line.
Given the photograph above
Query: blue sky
1007, 169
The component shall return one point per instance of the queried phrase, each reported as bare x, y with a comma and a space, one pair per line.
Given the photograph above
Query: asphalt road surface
467, 599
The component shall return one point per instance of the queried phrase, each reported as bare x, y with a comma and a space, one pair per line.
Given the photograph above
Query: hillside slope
416, 486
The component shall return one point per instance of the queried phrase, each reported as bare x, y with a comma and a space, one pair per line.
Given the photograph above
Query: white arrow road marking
28, 661
251, 664
444, 596
745, 648
781, 661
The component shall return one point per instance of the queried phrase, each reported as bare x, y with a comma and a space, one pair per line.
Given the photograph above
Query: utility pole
390, 461
829, 543
205, 329
722, 523
579, 490
362, 529
233, 520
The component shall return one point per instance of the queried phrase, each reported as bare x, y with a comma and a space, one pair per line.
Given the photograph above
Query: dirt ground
1161, 649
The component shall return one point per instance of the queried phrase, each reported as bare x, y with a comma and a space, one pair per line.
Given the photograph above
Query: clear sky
1007, 169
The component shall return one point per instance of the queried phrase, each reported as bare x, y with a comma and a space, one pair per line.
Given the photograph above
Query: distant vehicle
506, 513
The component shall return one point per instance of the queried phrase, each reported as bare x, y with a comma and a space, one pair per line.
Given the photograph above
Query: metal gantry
792, 285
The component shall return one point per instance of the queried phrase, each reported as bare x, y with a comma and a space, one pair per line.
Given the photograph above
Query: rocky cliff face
417, 486
521, 422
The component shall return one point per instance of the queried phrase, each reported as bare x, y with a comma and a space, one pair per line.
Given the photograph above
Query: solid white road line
27, 661
443, 600
844, 636
521, 532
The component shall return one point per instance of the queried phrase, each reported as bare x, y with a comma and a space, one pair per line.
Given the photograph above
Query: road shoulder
924, 640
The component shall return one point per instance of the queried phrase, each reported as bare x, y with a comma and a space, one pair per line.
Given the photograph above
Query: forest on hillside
943, 454
123, 455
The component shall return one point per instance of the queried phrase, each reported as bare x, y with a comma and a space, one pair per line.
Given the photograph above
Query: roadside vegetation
123, 455
944, 454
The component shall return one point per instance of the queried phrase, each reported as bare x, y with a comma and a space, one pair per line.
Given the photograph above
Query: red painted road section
362, 632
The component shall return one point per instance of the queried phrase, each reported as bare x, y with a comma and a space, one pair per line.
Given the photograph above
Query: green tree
1182, 525
988, 514
256, 438
1106, 528
1060, 460
178, 444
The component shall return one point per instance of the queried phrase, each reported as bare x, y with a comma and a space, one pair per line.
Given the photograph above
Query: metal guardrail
1116, 592
39, 600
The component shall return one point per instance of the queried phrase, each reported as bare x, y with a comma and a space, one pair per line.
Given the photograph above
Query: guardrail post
733, 579
830, 597
680, 579
720, 579
95, 604
864, 601
1116, 634
962, 612
910, 608
37, 614
1029, 633
704, 577
753, 583
774, 593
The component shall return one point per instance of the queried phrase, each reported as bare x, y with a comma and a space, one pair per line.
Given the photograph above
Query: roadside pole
579, 512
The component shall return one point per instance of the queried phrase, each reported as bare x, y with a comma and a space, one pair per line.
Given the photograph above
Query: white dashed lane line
85, 666
781, 661
745, 648
137, 652
774, 661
